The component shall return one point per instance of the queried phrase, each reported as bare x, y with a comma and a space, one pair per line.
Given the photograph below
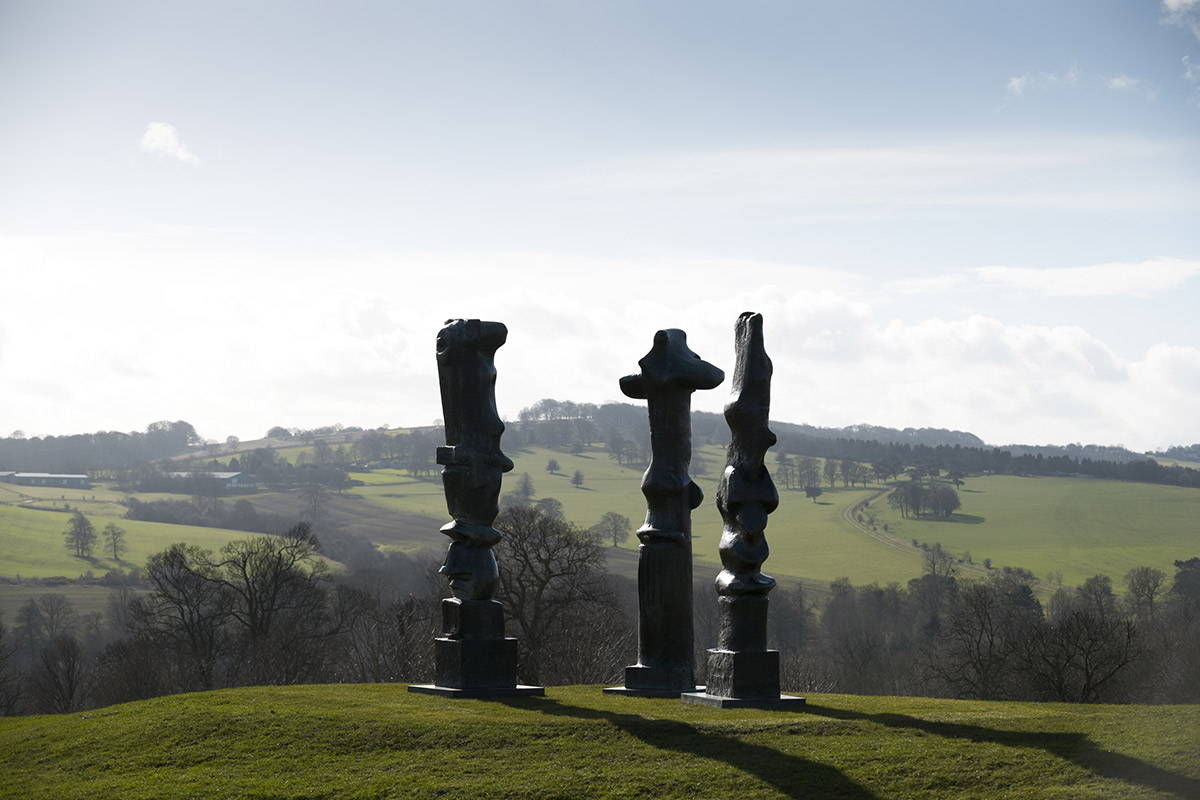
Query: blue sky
968, 215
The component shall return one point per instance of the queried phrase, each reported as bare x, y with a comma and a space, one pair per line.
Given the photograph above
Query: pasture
1077, 526
31, 543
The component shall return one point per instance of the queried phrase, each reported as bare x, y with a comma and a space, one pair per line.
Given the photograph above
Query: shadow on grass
1074, 747
793, 776
964, 519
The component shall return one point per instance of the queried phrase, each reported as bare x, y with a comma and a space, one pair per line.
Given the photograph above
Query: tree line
623, 428
267, 610
93, 452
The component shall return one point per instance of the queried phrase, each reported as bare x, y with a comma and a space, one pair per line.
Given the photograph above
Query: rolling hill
377, 741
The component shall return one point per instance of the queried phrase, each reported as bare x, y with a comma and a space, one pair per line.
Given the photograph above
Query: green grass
810, 542
1177, 462
1076, 526
101, 500
379, 741
1081, 527
31, 543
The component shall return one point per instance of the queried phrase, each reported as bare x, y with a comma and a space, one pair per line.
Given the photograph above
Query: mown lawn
1078, 526
379, 741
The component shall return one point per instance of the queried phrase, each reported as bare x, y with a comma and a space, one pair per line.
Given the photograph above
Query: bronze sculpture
473, 657
741, 670
670, 373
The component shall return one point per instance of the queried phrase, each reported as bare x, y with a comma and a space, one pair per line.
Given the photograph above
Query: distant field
1078, 526
101, 499
31, 543
87, 599
1177, 462
368, 742
809, 541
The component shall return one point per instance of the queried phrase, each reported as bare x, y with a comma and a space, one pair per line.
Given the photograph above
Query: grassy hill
379, 741
31, 546
1078, 526
31, 543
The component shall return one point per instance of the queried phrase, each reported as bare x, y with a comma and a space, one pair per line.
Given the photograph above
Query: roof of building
48, 475
222, 476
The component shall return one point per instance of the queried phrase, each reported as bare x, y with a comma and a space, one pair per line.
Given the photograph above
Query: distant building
230, 480
65, 481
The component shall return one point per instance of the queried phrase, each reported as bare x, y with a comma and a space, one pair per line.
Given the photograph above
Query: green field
380, 741
86, 598
31, 543
1078, 526
809, 541
101, 500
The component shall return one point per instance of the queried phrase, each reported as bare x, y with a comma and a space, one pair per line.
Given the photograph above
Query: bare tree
552, 572
10, 677
613, 527
114, 540
1145, 585
185, 613
1084, 647
975, 653
937, 561
57, 681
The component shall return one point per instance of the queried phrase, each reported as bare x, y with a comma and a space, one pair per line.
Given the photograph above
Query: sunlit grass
379, 741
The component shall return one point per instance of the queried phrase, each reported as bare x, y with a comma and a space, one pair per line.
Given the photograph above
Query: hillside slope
379, 741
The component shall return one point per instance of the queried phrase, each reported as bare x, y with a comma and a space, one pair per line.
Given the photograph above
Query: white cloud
1018, 85
1137, 279
361, 351
1060, 173
1184, 14
162, 139
1122, 83
1191, 72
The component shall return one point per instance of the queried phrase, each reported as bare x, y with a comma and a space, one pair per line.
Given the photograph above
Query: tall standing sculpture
670, 373
473, 657
741, 670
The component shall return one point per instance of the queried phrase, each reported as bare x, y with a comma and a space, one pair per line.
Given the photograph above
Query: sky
978, 216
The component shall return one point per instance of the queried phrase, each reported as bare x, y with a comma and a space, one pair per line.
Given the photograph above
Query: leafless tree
551, 580
57, 681
1084, 647
1146, 585
10, 677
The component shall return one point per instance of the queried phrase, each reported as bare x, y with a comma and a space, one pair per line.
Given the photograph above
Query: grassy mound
380, 741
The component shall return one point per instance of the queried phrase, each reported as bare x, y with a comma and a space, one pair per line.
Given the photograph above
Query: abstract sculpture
741, 670
473, 657
670, 373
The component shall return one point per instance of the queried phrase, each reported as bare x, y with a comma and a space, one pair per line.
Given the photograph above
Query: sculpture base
643, 681
446, 691
628, 692
475, 663
784, 702
743, 674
